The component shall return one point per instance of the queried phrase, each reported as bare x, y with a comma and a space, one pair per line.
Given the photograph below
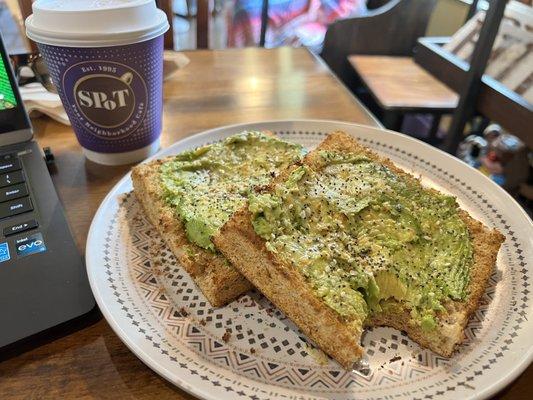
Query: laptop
43, 281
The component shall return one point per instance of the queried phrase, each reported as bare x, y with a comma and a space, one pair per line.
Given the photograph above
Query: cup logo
105, 100
110, 98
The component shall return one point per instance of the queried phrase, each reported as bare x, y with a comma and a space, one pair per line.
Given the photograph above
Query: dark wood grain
216, 88
203, 17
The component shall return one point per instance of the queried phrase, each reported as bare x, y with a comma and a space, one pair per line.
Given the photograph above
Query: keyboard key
9, 165
22, 227
15, 207
13, 192
11, 179
8, 157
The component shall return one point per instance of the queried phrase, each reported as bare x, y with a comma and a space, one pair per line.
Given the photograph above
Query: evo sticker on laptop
4, 252
30, 245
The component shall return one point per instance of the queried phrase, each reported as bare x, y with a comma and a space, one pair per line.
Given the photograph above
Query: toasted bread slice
215, 276
219, 281
286, 287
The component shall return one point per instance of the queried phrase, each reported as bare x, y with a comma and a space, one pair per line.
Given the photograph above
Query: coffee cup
105, 58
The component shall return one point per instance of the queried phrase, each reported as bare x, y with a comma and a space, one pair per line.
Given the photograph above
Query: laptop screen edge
23, 132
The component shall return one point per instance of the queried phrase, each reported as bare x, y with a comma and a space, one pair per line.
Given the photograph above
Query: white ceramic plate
170, 326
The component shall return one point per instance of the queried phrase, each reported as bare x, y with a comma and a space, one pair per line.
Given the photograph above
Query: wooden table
216, 88
401, 86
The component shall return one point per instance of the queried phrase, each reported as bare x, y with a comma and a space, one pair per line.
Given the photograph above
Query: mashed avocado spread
206, 185
361, 234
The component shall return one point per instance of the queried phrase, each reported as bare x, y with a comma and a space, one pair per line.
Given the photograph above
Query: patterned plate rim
92, 262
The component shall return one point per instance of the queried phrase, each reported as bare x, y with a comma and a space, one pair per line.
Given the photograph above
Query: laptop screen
12, 114
7, 95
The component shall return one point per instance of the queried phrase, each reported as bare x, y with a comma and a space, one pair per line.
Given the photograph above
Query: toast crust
219, 281
286, 287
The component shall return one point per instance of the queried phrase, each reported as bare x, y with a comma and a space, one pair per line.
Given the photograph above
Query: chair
203, 13
166, 6
399, 87
391, 30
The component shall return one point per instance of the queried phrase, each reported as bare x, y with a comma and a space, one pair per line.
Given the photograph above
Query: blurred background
457, 74
235, 23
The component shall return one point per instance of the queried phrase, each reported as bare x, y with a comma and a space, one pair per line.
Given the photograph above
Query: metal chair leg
435, 123
264, 23
393, 120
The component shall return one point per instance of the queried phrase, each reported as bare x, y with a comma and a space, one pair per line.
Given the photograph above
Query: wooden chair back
392, 30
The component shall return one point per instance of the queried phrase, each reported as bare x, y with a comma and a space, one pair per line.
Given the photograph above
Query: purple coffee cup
109, 77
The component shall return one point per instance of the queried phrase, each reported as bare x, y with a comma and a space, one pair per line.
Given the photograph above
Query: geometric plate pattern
249, 349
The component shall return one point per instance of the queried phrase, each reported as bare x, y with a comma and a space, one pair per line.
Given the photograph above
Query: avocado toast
188, 197
345, 239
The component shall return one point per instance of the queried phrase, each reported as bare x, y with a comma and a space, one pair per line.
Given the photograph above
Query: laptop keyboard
11, 178
14, 195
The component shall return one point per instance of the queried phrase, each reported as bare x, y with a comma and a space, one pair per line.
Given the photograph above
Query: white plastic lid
95, 23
